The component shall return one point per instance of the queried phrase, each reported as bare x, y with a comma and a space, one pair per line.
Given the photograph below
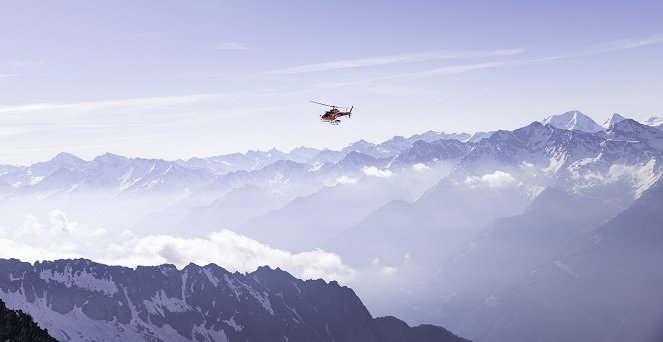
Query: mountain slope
19, 327
79, 300
234, 208
308, 221
395, 229
615, 118
604, 287
654, 122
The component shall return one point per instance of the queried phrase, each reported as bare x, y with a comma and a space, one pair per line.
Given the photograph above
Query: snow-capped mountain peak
654, 122
65, 157
361, 146
613, 120
631, 130
573, 120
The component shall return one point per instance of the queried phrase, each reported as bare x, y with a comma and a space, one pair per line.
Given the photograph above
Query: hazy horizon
98, 152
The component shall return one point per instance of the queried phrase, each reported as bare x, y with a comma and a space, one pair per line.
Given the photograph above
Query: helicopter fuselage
332, 115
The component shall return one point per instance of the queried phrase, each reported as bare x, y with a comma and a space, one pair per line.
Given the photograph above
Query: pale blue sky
174, 79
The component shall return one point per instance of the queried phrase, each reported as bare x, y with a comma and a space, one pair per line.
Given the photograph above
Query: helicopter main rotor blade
324, 104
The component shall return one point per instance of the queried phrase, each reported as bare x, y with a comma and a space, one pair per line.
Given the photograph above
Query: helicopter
334, 113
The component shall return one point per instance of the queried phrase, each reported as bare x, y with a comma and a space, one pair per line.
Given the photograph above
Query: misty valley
549, 232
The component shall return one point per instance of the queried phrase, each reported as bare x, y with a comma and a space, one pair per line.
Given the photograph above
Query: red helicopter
333, 114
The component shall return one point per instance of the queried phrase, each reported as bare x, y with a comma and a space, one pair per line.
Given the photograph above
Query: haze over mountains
546, 232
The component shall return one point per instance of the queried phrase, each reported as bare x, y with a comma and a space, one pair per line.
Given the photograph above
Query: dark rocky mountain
80, 300
397, 330
16, 326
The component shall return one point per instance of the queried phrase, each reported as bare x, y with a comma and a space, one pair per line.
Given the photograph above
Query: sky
176, 79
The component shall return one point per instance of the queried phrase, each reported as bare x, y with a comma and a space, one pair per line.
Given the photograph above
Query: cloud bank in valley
344, 180
375, 172
420, 167
498, 179
229, 250
54, 236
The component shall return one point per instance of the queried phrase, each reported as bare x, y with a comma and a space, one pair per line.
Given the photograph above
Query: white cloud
527, 165
231, 46
9, 131
611, 46
230, 250
55, 236
60, 228
341, 180
10, 248
27, 63
445, 71
395, 59
60, 224
628, 43
367, 83
375, 172
492, 301
30, 227
498, 179
406, 258
420, 167
91, 106
389, 270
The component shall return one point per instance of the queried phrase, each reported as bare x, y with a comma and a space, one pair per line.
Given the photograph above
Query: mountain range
480, 233
79, 300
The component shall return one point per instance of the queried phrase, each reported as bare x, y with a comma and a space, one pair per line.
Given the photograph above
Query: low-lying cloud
420, 167
389, 270
229, 250
55, 236
60, 223
375, 172
344, 180
35, 230
498, 179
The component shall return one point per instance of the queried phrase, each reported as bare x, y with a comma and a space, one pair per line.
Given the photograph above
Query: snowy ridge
615, 118
286, 175
81, 279
654, 122
162, 303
